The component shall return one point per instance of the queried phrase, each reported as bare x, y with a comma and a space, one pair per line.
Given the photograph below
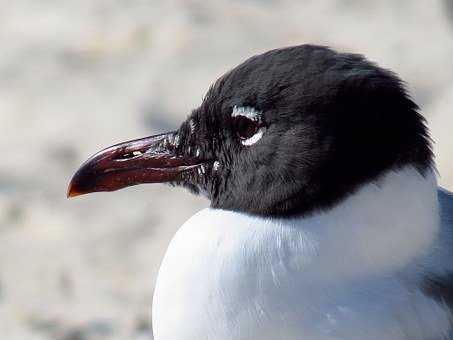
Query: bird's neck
383, 227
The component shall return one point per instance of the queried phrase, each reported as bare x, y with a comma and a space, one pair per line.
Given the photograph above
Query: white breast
347, 273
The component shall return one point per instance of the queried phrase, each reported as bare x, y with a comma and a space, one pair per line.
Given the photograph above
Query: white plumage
352, 272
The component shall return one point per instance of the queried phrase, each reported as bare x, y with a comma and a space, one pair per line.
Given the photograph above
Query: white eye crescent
255, 138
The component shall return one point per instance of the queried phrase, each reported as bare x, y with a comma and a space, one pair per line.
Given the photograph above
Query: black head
295, 130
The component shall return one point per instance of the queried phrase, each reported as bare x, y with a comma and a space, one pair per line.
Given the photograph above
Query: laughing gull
326, 221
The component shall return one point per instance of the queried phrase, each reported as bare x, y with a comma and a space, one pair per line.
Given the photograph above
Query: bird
325, 220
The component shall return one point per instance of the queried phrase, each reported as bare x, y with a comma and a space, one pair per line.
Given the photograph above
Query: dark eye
245, 127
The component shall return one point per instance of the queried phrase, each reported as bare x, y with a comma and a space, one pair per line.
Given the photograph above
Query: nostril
128, 155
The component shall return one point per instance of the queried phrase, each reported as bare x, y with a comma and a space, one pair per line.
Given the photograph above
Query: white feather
347, 273
246, 111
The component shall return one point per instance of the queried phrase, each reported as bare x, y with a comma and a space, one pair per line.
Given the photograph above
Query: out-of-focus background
78, 75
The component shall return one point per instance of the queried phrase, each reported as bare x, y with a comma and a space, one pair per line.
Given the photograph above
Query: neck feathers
384, 226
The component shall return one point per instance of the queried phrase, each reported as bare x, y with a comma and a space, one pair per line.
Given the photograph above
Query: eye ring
245, 127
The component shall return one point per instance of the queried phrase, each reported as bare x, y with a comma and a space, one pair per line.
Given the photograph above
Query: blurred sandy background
78, 75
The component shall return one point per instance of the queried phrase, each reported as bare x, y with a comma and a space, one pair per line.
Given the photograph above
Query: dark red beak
147, 160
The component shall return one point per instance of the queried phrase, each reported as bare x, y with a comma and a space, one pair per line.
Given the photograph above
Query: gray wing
440, 285
446, 209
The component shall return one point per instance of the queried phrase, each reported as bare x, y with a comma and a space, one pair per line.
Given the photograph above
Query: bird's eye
244, 127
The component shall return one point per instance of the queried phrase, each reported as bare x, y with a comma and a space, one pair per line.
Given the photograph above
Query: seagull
326, 221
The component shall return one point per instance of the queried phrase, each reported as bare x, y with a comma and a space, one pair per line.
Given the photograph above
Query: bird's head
286, 132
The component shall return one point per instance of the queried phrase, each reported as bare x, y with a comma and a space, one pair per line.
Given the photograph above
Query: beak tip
71, 194
72, 190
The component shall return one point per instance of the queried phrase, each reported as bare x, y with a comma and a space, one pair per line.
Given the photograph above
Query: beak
147, 160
